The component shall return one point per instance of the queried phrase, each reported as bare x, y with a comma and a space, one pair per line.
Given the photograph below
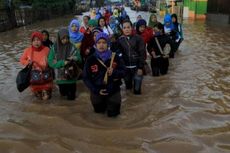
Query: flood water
185, 111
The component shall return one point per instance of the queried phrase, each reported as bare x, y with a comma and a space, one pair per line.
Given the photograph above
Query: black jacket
133, 50
163, 40
94, 72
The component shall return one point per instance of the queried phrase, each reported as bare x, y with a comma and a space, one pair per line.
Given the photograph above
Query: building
218, 11
196, 9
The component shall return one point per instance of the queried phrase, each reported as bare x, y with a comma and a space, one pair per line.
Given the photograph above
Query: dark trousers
110, 103
177, 44
68, 90
159, 66
132, 80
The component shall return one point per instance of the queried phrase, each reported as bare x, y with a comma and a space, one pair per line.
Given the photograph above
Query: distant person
137, 19
155, 47
106, 15
46, 39
63, 56
41, 78
88, 42
84, 24
132, 48
106, 28
105, 92
169, 30
144, 31
93, 13
153, 20
75, 35
178, 29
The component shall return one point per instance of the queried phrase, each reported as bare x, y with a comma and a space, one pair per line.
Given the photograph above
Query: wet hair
127, 21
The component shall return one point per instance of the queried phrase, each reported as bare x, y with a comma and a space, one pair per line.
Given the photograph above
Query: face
94, 36
102, 22
64, 40
36, 42
127, 29
85, 20
74, 28
157, 31
45, 36
142, 28
139, 17
102, 45
173, 19
154, 18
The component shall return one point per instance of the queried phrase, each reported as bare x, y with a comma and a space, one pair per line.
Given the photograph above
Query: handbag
23, 78
72, 70
40, 77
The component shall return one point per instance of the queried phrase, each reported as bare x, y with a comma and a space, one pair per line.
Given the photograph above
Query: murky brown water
186, 111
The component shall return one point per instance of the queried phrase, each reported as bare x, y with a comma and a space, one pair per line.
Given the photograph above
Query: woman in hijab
105, 94
153, 20
36, 54
75, 35
178, 29
62, 54
46, 39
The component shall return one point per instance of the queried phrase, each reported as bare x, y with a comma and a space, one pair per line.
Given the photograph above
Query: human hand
103, 92
87, 51
139, 72
153, 54
110, 71
66, 62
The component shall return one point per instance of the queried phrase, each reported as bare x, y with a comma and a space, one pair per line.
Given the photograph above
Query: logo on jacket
94, 68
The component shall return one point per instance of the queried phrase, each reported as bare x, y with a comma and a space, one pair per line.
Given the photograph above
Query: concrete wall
219, 18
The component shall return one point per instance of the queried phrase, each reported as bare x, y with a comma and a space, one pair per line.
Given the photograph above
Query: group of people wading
106, 50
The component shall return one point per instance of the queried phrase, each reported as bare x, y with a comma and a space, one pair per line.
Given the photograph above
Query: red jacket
147, 34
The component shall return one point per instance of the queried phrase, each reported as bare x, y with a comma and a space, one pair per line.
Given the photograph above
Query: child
132, 48
37, 54
46, 40
159, 61
102, 75
75, 36
62, 54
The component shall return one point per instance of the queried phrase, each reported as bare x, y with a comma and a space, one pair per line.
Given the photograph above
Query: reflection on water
186, 111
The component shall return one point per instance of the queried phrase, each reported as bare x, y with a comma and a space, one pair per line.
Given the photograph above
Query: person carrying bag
36, 56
